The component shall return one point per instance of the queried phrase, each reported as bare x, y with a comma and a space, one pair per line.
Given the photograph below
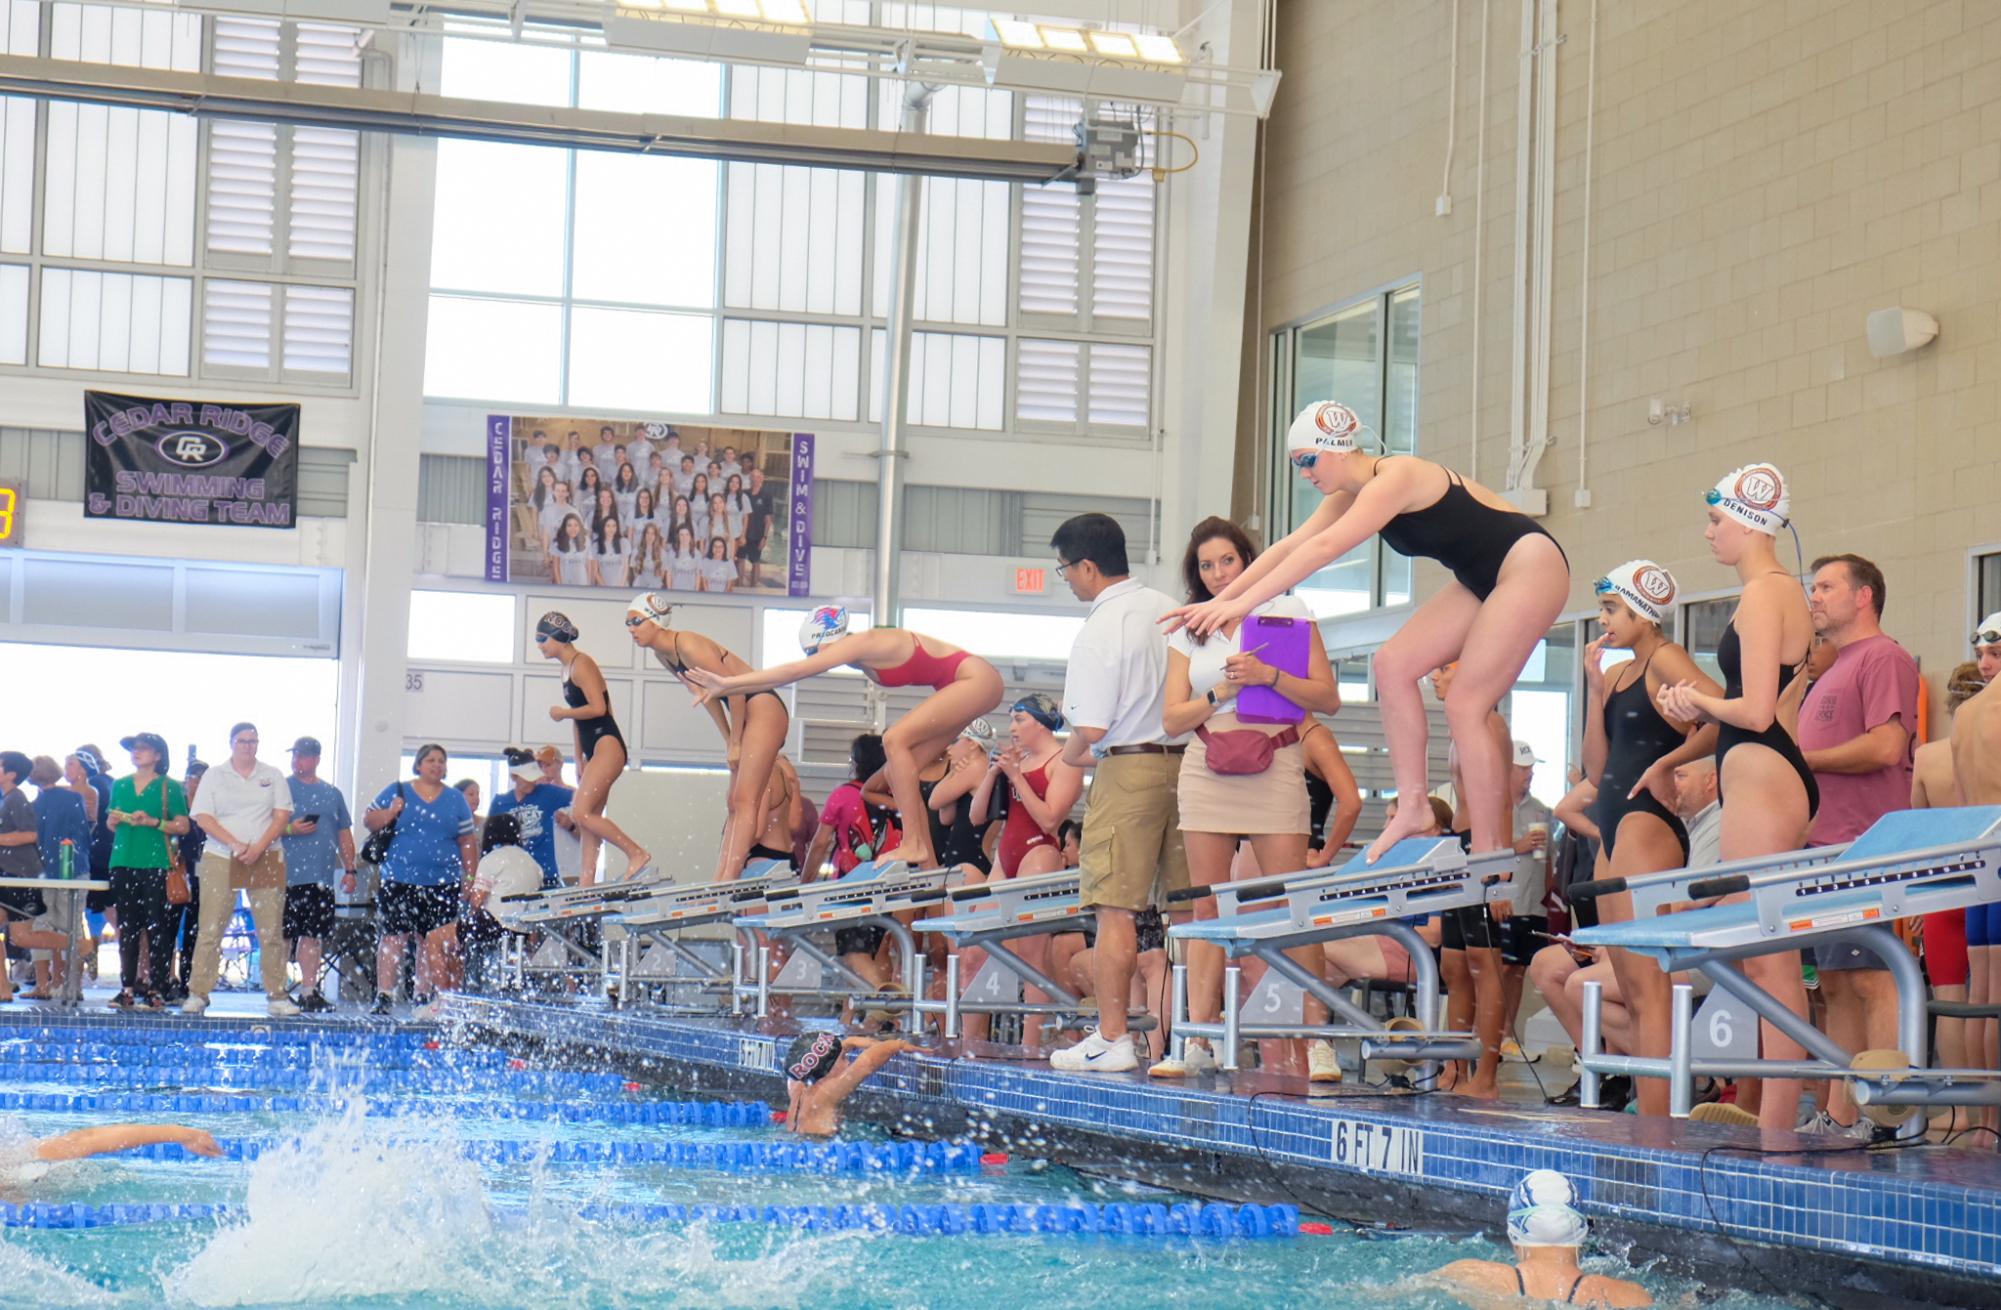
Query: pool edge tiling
1931, 1209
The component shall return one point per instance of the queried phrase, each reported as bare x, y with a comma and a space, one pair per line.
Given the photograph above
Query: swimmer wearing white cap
1547, 1233
753, 724
963, 688
1768, 793
1510, 580
1628, 746
24, 1160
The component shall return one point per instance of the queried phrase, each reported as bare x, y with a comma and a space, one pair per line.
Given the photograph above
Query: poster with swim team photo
645, 505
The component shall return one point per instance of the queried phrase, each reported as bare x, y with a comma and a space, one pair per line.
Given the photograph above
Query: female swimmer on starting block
963, 687
601, 755
1510, 582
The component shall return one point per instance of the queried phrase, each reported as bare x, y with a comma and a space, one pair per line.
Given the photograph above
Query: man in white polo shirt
1113, 692
243, 805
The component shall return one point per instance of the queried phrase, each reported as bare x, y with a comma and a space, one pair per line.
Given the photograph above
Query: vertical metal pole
952, 994
913, 970
763, 980
1681, 1056
1233, 979
736, 975
1594, 1017
1177, 1012
896, 368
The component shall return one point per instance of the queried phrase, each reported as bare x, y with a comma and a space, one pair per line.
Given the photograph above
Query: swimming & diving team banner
645, 505
189, 461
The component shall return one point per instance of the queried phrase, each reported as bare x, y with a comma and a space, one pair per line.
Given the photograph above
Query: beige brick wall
1764, 175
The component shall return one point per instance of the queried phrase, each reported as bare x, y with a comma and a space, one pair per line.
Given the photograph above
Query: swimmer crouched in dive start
1547, 1234
813, 1089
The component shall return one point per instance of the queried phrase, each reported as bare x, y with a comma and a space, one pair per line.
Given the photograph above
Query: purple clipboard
1285, 646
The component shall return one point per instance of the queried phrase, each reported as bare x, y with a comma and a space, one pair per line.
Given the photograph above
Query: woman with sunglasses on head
963, 687
1510, 581
601, 753
753, 724
1626, 735
1225, 800
1768, 793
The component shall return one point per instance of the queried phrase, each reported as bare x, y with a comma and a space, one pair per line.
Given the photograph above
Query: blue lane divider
1125, 1219
720, 1156
297, 1055
304, 1080
168, 1030
714, 1114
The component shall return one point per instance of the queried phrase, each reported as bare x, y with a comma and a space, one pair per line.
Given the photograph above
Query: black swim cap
1041, 707
556, 624
813, 1056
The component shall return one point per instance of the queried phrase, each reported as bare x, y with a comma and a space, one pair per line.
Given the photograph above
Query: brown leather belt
1147, 748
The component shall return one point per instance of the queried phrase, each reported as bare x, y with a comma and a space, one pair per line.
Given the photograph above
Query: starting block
868, 896
1908, 863
650, 952
1265, 917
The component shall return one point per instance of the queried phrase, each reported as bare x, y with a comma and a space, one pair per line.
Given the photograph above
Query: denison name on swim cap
1324, 425
1755, 495
1647, 587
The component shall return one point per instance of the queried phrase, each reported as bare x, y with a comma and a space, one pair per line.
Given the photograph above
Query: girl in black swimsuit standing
1510, 580
1624, 734
1767, 791
601, 752
753, 725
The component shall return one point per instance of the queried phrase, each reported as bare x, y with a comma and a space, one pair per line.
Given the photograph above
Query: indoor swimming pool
377, 1169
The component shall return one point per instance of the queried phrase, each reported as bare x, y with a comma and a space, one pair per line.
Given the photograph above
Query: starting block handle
1586, 891
925, 898
1703, 889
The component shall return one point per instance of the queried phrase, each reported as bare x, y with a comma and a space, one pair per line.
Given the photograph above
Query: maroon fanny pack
1244, 750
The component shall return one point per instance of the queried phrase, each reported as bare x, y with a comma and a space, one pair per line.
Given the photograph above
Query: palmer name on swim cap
1325, 425
1755, 495
812, 1056
556, 624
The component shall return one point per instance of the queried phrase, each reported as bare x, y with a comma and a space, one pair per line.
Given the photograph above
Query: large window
1363, 354
1986, 585
569, 278
243, 234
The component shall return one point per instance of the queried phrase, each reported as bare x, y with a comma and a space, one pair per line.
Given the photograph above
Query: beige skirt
1242, 804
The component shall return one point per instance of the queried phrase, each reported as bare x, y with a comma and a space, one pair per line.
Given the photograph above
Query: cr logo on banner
191, 449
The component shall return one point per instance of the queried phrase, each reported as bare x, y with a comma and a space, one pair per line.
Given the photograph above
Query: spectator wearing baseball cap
537, 806
318, 842
147, 810
20, 857
569, 846
243, 806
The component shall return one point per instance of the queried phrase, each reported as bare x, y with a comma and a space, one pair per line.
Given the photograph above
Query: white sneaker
1322, 1065
194, 1004
1823, 1125
429, 1012
1095, 1055
1196, 1057
279, 1007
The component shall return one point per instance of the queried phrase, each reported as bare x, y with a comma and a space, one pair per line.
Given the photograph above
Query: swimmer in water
25, 1159
815, 1091
1547, 1234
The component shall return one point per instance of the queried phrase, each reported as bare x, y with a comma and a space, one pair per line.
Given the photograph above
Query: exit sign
1029, 582
12, 507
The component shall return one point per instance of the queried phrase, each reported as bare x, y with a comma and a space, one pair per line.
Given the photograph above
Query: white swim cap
1547, 1225
1542, 1187
1755, 496
1642, 584
978, 730
1324, 425
1989, 631
828, 623
649, 607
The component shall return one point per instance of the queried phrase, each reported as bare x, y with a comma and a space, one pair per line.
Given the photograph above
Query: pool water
346, 1205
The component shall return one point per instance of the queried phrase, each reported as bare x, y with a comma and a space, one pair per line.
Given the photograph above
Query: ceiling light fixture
1085, 61
775, 31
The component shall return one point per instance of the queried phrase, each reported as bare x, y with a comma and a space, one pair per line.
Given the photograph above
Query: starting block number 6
1724, 1030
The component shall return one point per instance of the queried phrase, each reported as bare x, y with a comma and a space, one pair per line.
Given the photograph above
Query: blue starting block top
1231, 927
1902, 831
1411, 850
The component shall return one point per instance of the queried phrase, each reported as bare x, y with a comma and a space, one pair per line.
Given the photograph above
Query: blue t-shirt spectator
315, 857
425, 852
60, 813
536, 813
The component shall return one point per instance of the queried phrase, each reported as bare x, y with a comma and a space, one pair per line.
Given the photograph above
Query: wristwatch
1210, 695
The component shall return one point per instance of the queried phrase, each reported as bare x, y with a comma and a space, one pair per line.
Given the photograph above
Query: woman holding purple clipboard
1509, 581
1243, 691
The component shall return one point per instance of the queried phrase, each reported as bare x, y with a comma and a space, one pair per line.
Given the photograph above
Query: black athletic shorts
408, 907
1522, 936
1469, 927
309, 911
1151, 930
22, 902
858, 941
760, 851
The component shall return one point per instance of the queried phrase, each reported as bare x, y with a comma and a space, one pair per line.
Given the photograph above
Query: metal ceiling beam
206, 95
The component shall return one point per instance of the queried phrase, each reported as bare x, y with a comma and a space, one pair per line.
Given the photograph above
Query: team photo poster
645, 505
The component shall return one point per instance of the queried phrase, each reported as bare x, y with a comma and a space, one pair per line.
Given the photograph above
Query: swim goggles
1604, 586
1987, 637
1305, 459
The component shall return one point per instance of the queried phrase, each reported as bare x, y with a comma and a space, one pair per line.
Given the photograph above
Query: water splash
46, 1283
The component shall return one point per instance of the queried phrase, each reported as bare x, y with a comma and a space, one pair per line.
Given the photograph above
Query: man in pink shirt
1857, 729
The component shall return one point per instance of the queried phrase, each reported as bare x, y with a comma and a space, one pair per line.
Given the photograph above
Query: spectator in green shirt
147, 808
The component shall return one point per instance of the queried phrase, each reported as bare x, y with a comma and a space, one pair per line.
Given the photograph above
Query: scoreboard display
13, 506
